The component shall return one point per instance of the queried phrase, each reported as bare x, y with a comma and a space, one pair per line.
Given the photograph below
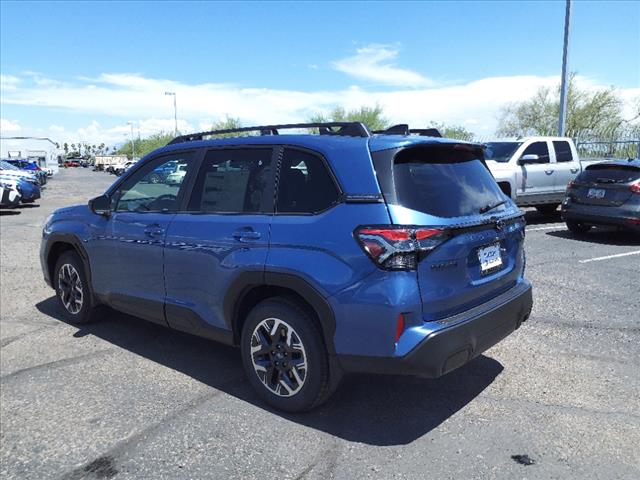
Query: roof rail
348, 129
403, 129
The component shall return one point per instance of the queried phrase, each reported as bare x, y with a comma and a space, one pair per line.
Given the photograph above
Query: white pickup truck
534, 171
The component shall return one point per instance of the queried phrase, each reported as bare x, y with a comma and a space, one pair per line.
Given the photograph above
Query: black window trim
339, 199
184, 188
203, 154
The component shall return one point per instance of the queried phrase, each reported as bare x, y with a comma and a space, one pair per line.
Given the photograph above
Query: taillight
571, 185
635, 186
399, 248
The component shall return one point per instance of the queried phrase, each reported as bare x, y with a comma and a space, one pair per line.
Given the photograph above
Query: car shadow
601, 236
28, 205
533, 217
4, 212
375, 410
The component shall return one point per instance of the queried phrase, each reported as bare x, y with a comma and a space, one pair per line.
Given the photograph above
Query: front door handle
548, 172
245, 234
154, 230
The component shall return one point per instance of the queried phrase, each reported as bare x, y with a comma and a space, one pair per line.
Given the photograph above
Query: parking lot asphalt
123, 398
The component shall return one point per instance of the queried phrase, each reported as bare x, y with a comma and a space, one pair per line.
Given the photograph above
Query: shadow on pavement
533, 217
602, 236
376, 410
4, 212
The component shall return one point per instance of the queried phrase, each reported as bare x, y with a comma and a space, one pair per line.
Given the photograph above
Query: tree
228, 123
590, 114
65, 147
372, 117
145, 145
457, 132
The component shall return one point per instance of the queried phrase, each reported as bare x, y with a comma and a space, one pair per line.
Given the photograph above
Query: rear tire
284, 356
577, 227
73, 290
155, 178
547, 209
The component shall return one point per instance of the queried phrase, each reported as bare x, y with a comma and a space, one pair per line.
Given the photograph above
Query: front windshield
500, 151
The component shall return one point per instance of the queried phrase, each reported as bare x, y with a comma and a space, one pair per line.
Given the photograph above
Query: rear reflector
399, 248
399, 327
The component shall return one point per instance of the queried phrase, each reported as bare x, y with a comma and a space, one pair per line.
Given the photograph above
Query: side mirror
529, 158
101, 205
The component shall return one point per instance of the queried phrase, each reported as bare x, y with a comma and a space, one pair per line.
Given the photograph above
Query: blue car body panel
178, 268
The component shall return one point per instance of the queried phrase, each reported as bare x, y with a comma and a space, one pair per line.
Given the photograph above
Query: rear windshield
444, 181
610, 174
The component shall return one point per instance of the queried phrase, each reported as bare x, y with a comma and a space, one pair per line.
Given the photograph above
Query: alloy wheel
70, 288
278, 357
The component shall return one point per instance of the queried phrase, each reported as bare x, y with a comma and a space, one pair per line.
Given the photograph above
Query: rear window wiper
486, 208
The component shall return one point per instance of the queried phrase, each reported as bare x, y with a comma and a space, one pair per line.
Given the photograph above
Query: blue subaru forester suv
317, 254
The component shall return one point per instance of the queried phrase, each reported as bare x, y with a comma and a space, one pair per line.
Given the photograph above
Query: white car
8, 170
534, 171
176, 177
9, 194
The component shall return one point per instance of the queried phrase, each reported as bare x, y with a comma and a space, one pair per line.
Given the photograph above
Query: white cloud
8, 82
374, 64
115, 98
7, 126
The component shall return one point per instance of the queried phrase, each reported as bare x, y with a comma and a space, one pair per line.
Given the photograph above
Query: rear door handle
548, 172
575, 170
245, 234
154, 230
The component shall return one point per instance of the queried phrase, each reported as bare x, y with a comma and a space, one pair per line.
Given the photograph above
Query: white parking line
560, 225
637, 252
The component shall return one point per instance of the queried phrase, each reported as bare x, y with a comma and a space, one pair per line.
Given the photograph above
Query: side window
563, 151
155, 187
540, 149
234, 181
305, 185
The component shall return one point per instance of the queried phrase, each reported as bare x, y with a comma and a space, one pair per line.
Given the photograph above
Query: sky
79, 71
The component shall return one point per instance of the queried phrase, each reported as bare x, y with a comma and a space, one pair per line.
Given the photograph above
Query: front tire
284, 355
577, 227
73, 290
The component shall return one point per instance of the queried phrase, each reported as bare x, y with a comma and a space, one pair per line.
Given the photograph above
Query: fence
608, 149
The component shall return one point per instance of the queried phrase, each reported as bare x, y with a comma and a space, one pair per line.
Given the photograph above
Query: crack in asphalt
116, 451
56, 363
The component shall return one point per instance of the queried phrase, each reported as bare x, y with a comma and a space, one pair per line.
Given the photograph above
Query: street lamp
133, 148
564, 84
175, 112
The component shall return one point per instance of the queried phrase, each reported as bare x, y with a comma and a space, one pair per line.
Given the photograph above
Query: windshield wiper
486, 208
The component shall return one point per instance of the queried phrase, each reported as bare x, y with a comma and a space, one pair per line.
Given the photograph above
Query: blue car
31, 167
29, 191
317, 255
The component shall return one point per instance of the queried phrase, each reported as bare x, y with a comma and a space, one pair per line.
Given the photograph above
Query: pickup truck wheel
284, 356
577, 227
73, 290
547, 209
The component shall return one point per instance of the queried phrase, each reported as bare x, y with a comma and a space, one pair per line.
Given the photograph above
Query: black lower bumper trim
450, 348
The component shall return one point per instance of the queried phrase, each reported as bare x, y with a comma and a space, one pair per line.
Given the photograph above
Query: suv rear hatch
605, 184
470, 236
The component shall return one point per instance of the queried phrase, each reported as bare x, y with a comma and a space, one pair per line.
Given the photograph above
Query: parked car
29, 191
315, 254
9, 195
9, 170
72, 163
177, 176
606, 193
160, 174
534, 171
31, 167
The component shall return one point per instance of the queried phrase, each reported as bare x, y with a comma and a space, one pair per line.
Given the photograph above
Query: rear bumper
626, 217
452, 346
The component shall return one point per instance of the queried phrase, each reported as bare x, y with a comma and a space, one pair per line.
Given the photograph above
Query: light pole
562, 121
175, 112
133, 148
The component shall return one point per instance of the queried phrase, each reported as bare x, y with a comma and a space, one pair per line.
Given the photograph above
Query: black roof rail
348, 129
403, 129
